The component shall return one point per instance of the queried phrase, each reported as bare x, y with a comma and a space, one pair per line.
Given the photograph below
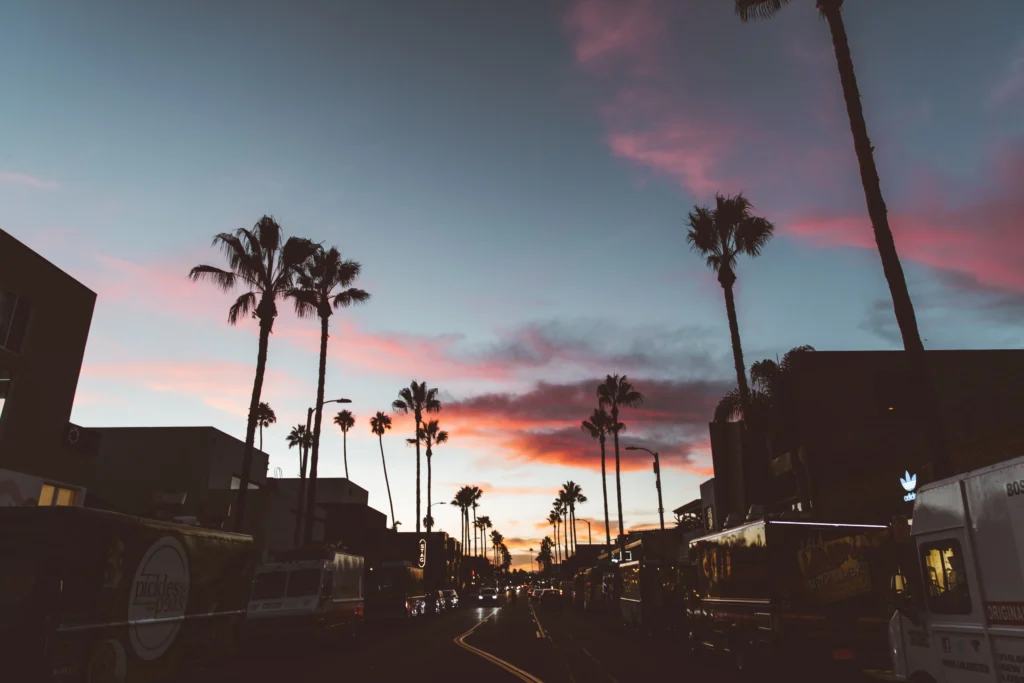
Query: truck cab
961, 613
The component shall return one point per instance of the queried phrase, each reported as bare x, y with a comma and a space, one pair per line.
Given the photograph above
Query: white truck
961, 615
310, 589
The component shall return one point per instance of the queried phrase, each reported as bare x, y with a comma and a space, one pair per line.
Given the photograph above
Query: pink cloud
15, 178
982, 238
225, 386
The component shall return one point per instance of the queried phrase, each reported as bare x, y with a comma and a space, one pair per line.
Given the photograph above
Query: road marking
511, 668
537, 620
538, 634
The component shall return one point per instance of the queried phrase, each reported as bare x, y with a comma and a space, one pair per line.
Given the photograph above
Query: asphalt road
505, 644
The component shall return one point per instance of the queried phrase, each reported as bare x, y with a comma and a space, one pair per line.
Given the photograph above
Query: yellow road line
537, 620
511, 668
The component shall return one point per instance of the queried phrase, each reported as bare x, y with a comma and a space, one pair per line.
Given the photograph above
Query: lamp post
302, 493
429, 516
657, 480
590, 541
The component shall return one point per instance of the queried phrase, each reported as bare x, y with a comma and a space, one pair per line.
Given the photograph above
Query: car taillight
408, 607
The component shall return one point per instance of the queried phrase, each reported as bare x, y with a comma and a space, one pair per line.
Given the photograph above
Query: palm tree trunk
727, 278
384, 462
475, 530
604, 490
572, 516
300, 504
418, 416
902, 304
344, 450
430, 519
317, 416
618, 483
250, 428
261, 436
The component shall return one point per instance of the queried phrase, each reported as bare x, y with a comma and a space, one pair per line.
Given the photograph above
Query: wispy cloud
1009, 87
15, 178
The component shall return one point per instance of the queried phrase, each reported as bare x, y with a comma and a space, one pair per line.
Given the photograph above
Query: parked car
487, 597
434, 602
550, 598
451, 599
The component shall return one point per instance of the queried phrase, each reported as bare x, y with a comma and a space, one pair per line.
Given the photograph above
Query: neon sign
909, 483
423, 553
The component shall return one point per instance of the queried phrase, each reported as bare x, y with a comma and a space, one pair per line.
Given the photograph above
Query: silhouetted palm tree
345, 421
720, 235
265, 264
430, 435
323, 284
485, 523
474, 504
613, 393
264, 418
598, 427
417, 399
562, 505
379, 424
303, 439
464, 499
572, 493
903, 306
553, 520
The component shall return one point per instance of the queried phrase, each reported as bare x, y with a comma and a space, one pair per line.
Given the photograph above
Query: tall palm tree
563, 510
417, 399
474, 503
265, 264
553, 520
614, 393
303, 439
485, 523
831, 10
379, 424
598, 427
265, 417
720, 235
572, 493
322, 285
430, 434
464, 499
345, 421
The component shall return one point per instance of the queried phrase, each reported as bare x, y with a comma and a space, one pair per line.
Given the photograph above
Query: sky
514, 178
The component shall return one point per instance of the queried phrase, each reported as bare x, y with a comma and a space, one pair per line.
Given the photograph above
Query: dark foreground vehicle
654, 594
88, 595
809, 594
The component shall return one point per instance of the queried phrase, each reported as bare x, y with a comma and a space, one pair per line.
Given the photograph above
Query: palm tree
464, 499
417, 399
485, 523
553, 520
720, 235
572, 493
598, 426
903, 307
474, 503
430, 435
613, 393
345, 421
322, 285
563, 510
264, 418
379, 424
265, 264
303, 439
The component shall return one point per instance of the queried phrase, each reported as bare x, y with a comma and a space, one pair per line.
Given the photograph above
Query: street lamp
590, 541
430, 527
309, 435
657, 480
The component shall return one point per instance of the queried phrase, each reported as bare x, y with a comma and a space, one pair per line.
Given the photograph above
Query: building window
52, 494
236, 484
14, 314
945, 577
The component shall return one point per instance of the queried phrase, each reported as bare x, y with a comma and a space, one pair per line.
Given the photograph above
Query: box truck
961, 610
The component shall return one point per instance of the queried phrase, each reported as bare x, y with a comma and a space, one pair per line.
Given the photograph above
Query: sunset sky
514, 177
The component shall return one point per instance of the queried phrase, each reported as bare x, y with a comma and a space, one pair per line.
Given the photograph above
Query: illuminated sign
423, 552
909, 483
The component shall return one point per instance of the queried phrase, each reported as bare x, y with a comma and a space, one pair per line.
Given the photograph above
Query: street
507, 643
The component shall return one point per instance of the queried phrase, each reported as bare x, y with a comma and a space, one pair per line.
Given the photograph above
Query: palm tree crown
265, 417
417, 399
614, 393
264, 264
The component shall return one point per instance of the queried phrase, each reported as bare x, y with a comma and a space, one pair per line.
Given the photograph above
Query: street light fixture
657, 480
590, 541
309, 432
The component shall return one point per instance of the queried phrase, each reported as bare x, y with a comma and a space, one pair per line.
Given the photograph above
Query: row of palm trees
562, 518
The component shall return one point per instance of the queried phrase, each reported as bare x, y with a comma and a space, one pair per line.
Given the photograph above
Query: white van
308, 594
961, 617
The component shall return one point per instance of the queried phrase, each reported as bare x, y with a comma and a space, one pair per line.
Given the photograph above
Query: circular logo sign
158, 598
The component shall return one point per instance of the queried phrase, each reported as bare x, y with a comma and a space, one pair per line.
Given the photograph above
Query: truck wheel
921, 677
